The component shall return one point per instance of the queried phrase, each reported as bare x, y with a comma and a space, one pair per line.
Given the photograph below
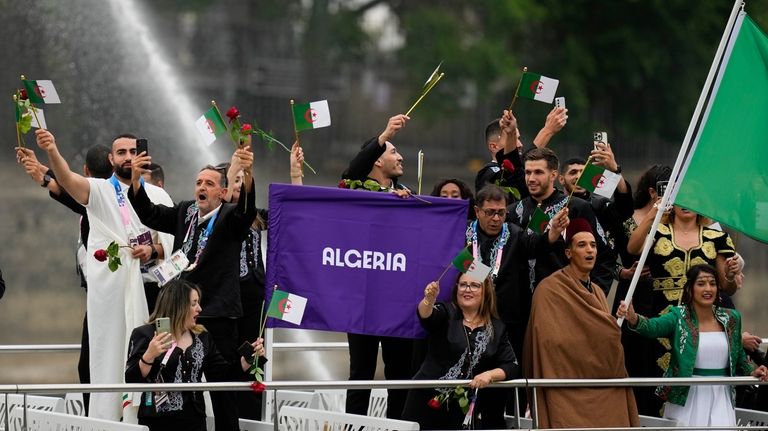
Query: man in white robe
119, 293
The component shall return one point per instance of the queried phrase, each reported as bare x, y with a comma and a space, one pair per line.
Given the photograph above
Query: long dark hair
647, 181
691, 276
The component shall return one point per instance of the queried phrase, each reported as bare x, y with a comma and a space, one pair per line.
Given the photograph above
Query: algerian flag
40, 116
463, 260
313, 115
539, 221
41, 91
598, 180
287, 306
474, 268
434, 77
210, 125
725, 176
537, 87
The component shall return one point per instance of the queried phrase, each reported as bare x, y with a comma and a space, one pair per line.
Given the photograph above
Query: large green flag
727, 170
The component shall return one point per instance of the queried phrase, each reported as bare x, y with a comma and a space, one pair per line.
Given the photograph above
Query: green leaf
372, 185
113, 249
259, 378
459, 390
463, 402
25, 123
113, 264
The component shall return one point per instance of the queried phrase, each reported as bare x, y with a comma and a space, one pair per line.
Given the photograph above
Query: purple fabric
304, 221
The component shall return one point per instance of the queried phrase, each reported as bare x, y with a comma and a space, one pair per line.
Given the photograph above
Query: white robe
116, 302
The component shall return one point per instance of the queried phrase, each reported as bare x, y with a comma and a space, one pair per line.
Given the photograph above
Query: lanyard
496, 250
203, 240
125, 213
168, 354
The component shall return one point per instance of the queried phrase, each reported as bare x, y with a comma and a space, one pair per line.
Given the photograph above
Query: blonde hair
174, 303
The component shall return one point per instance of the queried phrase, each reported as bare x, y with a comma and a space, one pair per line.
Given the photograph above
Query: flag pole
439, 77
213, 103
32, 107
673, 178
444, 271
16, 112
296, 133
568, 201
420, 169
514, 97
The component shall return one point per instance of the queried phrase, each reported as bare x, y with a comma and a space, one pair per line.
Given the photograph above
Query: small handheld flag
41, 91
287, 306
537, 87
598, 180
312, 115
539, 221
433, 79
210, 125
467, 264
37, 117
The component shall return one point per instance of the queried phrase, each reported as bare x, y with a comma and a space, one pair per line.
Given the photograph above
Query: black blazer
218, 271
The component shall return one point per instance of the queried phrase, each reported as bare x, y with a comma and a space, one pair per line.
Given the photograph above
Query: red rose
23, 94
434, 403
232, 114
508, 166
342, 184
100, 255
246, 129
258, 387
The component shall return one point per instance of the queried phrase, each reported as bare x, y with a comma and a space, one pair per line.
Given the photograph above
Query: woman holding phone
178, 356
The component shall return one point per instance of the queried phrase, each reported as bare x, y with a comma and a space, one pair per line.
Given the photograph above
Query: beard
124, 173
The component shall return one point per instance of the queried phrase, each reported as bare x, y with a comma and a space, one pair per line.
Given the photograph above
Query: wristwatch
46, 180
618, 169
154, 252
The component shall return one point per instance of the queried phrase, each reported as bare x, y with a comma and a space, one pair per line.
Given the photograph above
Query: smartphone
163, 324
246, 351
141, 146
601, 137
661, 187
559, 102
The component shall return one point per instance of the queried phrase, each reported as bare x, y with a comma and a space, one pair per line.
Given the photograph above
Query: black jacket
362, 164
218, 271
603, 272
201, 357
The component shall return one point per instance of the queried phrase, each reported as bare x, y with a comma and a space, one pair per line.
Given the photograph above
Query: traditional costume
112, 295
572, 335
703, 354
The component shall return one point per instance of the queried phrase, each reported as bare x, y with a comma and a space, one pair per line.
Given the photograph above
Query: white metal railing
72, 348
532, 384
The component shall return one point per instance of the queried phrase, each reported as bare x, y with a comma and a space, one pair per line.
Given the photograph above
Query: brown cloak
572, 335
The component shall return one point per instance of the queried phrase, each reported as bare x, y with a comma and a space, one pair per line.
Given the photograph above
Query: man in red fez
572, 335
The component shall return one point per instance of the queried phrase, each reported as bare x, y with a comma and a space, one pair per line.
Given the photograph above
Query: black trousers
248, 402
83, 367
363, 353
223, 332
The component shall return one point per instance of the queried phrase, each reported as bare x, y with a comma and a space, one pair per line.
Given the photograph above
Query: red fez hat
575, 226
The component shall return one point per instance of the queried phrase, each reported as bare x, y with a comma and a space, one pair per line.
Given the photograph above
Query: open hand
45, 140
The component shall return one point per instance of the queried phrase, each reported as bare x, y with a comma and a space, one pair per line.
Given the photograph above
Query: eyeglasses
490, 213
472, 287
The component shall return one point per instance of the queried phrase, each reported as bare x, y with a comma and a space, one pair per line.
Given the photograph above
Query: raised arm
296, 160
635, 244
363, 162
430, 296
76, 185
555, 122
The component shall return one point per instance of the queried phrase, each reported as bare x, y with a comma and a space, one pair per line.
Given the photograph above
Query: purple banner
362, 259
